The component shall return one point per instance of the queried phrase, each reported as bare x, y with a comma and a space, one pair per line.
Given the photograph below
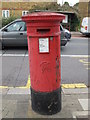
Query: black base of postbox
46, 103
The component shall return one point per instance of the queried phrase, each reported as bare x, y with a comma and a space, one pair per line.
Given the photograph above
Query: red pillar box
43, 33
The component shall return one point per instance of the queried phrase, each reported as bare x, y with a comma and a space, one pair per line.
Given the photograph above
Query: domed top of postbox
43, 16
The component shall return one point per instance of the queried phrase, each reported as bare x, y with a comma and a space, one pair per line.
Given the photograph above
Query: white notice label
43, 45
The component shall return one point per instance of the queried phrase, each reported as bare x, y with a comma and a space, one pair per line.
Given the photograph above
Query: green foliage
6, 21
53, 6
76, 5
75, 24
66, 3
49, 6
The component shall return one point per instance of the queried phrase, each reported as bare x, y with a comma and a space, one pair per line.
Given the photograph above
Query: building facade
20, 7
84, 8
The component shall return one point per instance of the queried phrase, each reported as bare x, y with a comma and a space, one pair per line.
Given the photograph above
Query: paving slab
76, 34
4, 91
9, 107
16, 103
81, 114
85, 104
22, 109
76, 90
19, 106
19, 91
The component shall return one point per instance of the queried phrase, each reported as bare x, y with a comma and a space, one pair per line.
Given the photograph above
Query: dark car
15, 34
67, 33
63, 38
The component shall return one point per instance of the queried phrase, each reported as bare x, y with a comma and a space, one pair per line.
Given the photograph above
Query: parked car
63, 38
67, 33
15, 34
85, 26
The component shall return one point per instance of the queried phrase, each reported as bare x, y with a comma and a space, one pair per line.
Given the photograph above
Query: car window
84, 21
17, 26
25, 27
61, 28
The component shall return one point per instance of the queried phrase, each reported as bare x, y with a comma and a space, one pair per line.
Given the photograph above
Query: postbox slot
43, 30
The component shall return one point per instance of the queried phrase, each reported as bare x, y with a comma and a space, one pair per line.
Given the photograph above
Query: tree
50, 6
66, 4
76, 5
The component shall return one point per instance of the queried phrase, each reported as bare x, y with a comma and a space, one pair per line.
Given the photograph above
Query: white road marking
79, 56
21, 55
84, 103
14, 55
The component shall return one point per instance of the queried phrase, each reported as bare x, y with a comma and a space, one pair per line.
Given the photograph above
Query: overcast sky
71, 2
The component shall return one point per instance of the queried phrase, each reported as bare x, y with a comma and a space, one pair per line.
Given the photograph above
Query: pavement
16, 103
77, 34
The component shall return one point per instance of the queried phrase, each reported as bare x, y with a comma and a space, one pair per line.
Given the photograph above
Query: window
24, 13
17, 26
66, 19
5, 13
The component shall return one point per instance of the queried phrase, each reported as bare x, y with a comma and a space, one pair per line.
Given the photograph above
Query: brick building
20, 7
84, 8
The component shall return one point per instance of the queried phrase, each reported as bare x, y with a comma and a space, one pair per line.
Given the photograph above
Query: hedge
6, 21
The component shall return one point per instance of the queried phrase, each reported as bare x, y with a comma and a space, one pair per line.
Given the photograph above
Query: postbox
43, 33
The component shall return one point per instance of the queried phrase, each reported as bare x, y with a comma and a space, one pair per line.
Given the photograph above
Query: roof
67, 12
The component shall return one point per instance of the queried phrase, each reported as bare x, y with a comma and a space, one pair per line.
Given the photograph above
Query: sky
71, 2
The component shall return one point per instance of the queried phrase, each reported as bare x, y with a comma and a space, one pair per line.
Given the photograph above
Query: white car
85, 26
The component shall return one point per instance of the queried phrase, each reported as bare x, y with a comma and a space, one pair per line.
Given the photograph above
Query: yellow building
21, 7
84, 8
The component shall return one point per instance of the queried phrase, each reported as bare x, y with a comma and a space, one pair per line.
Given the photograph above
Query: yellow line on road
83, 61
78, 85
75, 85
21, 87
4, 87
28, 83
86, 63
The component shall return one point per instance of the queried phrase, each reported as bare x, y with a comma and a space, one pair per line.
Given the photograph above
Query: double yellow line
79, 85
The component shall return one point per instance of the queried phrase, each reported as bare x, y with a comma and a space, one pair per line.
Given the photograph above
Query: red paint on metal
45, 69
